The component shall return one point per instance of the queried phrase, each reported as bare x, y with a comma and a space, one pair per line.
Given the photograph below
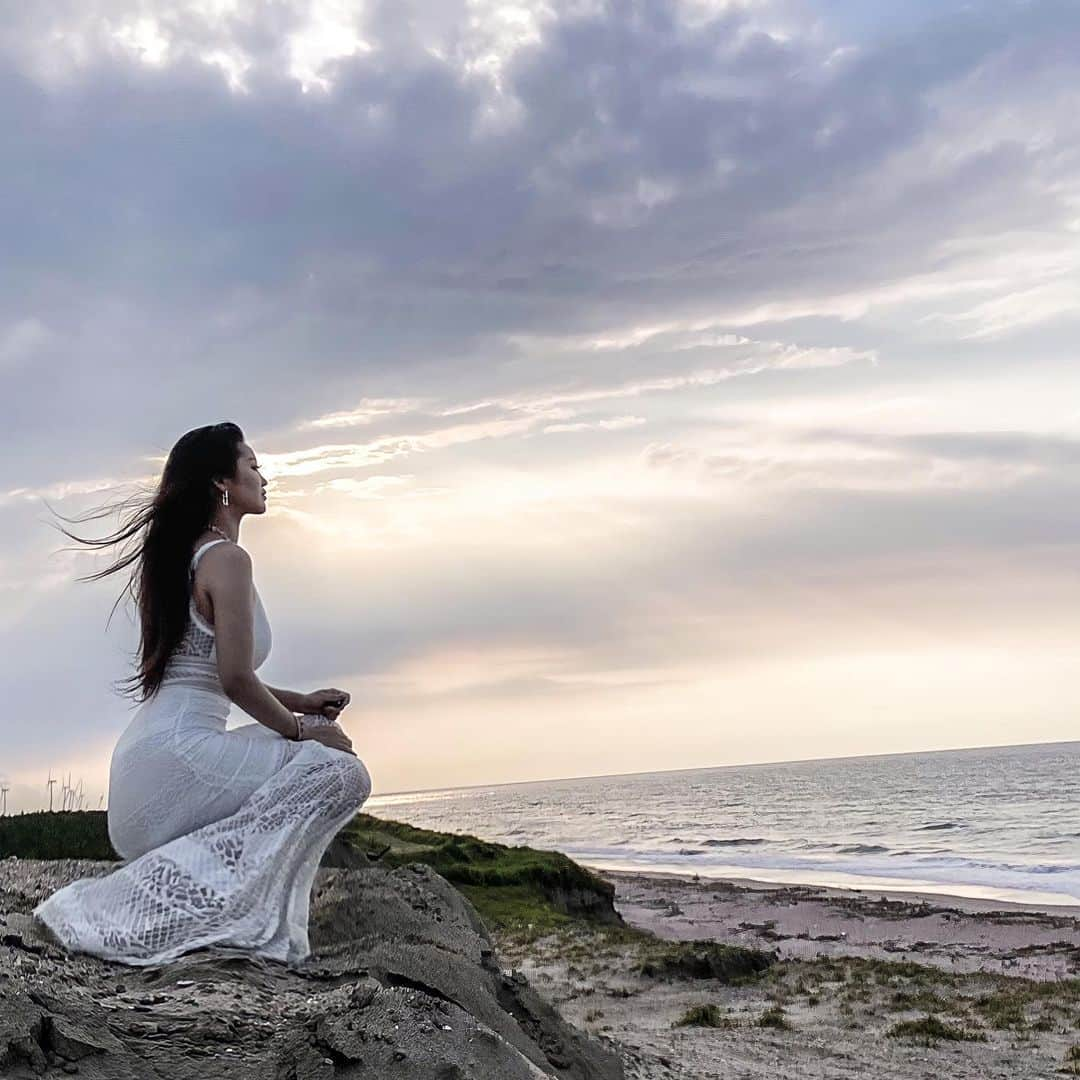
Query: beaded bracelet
314, 720
308, 721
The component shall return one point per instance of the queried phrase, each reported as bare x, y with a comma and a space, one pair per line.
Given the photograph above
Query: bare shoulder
226, 561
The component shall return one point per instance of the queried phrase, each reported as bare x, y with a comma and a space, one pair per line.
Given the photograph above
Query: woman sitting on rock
223, 830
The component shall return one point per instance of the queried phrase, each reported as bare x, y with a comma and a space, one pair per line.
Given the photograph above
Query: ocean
999, 823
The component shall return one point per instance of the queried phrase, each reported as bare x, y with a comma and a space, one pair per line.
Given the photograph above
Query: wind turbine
50, 785
3, 799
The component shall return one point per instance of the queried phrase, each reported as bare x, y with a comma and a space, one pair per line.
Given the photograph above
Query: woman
223, 830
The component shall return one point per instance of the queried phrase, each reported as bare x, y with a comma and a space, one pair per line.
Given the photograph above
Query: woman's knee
357, 781
131, 838
122, 843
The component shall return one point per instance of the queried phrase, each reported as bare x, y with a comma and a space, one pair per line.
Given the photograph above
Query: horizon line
731, 765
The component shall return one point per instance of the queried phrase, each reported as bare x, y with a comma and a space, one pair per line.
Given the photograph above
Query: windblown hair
169, 520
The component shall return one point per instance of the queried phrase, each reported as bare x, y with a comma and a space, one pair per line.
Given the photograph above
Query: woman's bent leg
243, 881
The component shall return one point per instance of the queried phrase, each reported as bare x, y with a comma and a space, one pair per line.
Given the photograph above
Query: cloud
998, 447
569, 334
842, 459
616, 423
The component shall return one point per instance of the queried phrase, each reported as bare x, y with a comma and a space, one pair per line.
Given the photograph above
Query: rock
22, 1032
340, 853
34, 1031
25, 932
597, 903
403, 983
73, 1039
591, 897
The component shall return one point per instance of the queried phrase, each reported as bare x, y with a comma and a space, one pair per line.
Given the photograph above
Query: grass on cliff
513, 888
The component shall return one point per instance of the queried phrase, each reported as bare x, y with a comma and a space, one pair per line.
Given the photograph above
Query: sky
641, 385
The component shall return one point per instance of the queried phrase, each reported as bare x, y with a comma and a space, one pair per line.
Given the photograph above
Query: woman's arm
293, 700
228, 579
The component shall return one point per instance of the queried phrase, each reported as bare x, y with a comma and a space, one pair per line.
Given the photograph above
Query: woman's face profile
248, 487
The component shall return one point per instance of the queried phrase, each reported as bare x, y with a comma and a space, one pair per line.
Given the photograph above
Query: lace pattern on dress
242, 882
193, 662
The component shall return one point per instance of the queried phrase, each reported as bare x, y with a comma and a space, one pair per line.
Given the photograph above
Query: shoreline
966, 903
844, 881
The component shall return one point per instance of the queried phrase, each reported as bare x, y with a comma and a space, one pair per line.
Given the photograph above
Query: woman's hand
329, 702
327, 732
331, 735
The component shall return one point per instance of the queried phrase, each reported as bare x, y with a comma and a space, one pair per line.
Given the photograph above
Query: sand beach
886, 985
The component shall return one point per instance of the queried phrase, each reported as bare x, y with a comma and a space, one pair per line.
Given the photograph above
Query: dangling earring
224, 498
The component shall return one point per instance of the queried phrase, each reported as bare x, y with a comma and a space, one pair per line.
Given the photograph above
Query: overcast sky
641, 385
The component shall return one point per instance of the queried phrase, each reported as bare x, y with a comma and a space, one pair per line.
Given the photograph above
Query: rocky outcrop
588, 896
593, 902
403, 984
552, 878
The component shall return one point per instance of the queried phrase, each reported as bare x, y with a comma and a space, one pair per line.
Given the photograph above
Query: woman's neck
225, 531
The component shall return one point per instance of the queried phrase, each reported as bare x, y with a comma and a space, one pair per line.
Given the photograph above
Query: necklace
217, 530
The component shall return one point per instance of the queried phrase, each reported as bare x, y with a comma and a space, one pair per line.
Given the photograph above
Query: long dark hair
170, 519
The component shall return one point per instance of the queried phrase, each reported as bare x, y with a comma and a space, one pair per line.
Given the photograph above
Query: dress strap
209, 544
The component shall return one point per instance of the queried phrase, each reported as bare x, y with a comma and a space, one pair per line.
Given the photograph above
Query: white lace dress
223, 830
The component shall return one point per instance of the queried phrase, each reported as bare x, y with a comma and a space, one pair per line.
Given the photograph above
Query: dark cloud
163, 227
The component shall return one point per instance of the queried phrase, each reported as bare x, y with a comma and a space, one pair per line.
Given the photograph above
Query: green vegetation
65, 834
578, 941
466, 860
1007, 1007
930, 1029
705, 960
774, 1017
516, 908
949, 1001
516, 889
705, 1016
923, 1000
1004, 1010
